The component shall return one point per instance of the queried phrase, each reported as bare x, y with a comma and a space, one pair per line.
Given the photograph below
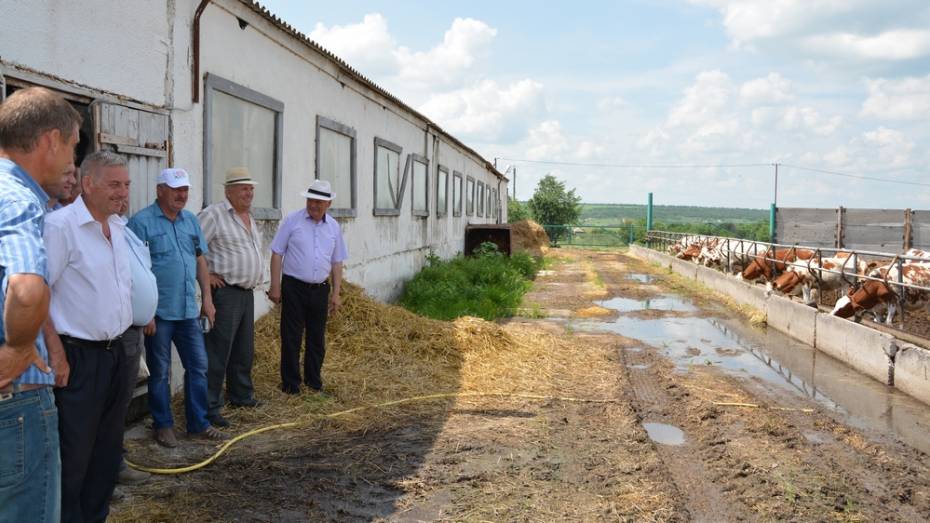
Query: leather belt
92, 344
298, 281
15, 388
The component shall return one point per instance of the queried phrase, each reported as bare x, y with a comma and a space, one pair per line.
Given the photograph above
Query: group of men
81, 288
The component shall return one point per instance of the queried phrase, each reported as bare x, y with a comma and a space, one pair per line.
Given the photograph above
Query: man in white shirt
236, 267
91, 308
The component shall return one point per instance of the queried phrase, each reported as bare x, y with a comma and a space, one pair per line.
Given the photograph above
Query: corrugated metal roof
287, 28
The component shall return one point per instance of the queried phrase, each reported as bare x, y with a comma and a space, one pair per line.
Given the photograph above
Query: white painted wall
119, 47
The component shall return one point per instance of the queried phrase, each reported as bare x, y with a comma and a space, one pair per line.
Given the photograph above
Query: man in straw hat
177, 248
234, 259
308, 249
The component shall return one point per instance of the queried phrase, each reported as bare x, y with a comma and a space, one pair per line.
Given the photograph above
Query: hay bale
530, 237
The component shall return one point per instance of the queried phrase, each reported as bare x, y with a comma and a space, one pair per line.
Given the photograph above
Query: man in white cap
308, 249
177, 249
236, 267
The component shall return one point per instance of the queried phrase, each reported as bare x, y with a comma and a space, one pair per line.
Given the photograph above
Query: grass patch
487, 285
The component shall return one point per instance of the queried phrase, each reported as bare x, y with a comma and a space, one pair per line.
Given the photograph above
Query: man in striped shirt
38, 133
234, 258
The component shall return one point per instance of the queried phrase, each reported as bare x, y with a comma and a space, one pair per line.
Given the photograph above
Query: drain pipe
195, 50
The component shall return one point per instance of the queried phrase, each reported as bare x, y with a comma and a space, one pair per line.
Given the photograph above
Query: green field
620, 213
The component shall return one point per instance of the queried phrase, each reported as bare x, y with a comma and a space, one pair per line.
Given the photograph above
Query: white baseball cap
174, 178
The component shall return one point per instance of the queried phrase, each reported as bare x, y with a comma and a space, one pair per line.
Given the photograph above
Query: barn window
335, 163
420, 188
389, 179
242, 128
456, 193
480, 199
470, 196
442, 190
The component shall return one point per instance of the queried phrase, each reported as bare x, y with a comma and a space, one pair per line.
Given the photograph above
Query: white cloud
774, 88
369, 47
487, 111
546, 142
903, 44
463, 44
808, 118
702, 101
893, 146
903, 99
822, 27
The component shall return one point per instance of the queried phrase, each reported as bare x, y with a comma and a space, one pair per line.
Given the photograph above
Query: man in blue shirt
38, 133
177, 246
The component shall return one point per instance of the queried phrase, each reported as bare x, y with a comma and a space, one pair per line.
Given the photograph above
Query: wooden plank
142, 151
873, 216
117, 140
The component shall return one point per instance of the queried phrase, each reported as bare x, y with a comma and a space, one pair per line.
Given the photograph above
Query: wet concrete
641, 278
765, 356
664, 433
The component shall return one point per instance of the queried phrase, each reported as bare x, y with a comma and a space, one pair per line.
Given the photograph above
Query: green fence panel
593, 235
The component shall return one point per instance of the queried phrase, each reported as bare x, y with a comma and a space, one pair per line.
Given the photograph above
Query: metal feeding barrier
766, 251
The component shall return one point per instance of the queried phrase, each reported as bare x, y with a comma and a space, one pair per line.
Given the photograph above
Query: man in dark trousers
91, 309
236, 265
308, 249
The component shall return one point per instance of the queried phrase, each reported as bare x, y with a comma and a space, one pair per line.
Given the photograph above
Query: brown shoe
166, 438
211, 433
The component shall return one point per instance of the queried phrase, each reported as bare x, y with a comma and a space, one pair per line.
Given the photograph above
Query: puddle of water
662, 303
639, 366
768, 356
642, 278
665, 434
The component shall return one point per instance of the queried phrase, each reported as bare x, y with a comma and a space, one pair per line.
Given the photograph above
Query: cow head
867, 296
787, 282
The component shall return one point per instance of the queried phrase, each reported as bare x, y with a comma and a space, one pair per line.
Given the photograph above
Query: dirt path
521, 459
748, 463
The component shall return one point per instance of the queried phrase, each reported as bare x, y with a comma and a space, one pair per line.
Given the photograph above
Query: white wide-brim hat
319, 190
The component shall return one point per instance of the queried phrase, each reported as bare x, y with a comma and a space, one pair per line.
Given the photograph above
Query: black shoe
290, 389
251, 404
217, 420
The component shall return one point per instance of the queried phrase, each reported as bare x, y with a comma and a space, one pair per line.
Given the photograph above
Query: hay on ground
530, 237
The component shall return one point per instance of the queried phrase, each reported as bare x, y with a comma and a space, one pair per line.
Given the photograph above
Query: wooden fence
885, 230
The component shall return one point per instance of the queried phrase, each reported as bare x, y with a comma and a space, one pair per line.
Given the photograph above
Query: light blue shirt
174, 247
309, 248
144, 284
22, 251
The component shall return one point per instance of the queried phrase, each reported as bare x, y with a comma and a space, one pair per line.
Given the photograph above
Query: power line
715, 165
857, 176
639, 165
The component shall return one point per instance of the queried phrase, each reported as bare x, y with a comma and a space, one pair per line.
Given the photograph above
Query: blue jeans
30, 463
188, 338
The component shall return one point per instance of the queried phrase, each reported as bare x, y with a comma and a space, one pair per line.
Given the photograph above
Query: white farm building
209, 84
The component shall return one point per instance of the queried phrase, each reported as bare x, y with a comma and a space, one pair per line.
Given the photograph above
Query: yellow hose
233, 441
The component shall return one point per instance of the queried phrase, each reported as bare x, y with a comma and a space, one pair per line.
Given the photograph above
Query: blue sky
693, 100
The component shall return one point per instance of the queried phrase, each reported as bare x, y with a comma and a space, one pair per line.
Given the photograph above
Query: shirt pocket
159, 244
326, 243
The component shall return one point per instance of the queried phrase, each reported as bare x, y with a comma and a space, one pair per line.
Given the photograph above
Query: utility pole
515, 183
775, 199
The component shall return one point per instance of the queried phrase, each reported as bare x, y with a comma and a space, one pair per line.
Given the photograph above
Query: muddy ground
565, 459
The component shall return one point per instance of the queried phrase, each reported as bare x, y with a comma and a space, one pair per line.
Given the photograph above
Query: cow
760, 266
835, 272
875, 294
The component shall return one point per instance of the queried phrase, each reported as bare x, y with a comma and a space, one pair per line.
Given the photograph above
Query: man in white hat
177, 248
308, 249
236, 267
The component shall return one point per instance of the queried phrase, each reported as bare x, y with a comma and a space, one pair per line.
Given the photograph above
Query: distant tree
516, 211
551, 204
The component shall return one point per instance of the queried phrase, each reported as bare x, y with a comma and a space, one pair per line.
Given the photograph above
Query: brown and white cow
835, 272
760, 267
875, 295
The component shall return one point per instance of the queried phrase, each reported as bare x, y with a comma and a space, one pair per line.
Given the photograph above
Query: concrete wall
873, 353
